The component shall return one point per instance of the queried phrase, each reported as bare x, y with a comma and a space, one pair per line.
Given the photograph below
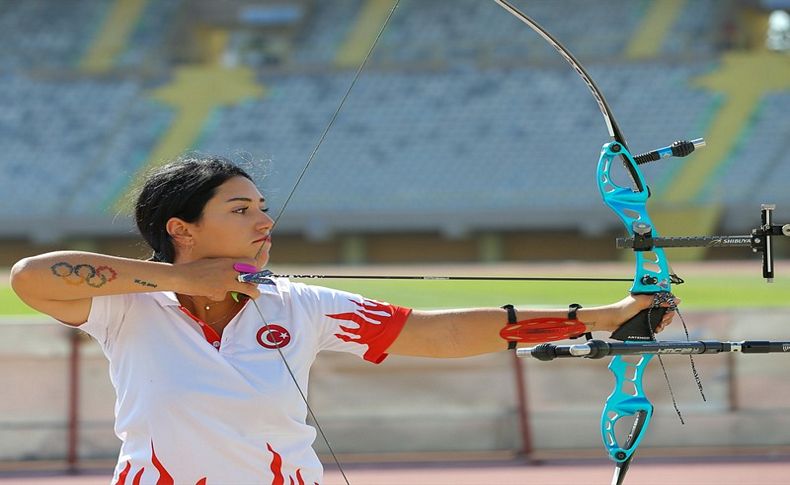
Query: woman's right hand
213, 278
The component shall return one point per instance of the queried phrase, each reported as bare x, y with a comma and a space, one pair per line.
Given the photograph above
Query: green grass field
721, 290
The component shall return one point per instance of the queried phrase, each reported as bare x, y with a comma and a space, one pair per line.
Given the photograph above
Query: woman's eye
243, 210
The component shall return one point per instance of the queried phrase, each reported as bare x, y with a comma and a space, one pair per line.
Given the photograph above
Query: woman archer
202, 394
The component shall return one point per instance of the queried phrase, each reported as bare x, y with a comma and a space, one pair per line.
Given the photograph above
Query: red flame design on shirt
164, 477
122, 476
277, 470
138, 476
378, 324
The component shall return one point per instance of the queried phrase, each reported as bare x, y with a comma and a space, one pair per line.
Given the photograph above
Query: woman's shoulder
305, 293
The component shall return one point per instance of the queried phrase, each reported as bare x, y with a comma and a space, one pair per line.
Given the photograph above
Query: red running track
656, 472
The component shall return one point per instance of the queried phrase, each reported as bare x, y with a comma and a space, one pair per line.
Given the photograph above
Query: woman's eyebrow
243, 199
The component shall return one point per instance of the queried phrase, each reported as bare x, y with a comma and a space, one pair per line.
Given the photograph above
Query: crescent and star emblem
273, 336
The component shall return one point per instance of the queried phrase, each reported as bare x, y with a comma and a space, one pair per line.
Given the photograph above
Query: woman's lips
263, 239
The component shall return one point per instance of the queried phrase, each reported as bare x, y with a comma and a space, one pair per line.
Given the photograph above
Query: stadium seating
145, 46
461, 140
453, 119
69, 145
325, 31
460, 32
46, 34
758, 170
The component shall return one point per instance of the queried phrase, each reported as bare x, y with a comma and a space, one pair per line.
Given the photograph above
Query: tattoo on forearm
95, 276
145, 283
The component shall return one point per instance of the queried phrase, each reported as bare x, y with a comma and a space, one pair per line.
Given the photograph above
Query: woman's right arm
62, 284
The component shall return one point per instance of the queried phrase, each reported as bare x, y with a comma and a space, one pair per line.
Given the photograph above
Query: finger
645, 299
253, 292
249, 289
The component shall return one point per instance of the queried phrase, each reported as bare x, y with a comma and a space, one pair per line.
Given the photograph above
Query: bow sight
760, 240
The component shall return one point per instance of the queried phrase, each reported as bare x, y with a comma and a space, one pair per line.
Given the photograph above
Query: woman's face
234, 224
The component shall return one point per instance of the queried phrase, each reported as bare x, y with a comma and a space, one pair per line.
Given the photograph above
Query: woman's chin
263, 259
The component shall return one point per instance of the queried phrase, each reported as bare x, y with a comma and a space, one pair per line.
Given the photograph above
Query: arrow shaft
257, 276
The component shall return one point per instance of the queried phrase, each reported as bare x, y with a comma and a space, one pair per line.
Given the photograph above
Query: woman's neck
210, 311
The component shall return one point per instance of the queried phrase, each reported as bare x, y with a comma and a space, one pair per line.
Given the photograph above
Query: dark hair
179, 189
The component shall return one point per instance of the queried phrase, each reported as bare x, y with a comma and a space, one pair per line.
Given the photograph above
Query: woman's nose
266, 221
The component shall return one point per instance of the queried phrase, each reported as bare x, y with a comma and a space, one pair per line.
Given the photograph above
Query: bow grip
641, 326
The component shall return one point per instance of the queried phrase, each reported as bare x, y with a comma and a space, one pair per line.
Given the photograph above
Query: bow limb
652, 273
622, 403
611, 123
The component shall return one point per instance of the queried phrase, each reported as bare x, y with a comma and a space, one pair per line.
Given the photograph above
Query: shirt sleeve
105, 318
348, 322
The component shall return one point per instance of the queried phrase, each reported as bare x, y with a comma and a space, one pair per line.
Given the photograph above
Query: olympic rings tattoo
84, 273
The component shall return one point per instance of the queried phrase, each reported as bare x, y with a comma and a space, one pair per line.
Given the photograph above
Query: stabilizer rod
680, 148
598, 349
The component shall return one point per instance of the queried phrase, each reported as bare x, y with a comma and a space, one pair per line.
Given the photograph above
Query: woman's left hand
628, 307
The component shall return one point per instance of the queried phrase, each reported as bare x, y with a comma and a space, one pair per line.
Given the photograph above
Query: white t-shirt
198, 409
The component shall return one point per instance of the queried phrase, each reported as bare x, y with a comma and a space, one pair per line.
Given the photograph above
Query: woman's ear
179, 232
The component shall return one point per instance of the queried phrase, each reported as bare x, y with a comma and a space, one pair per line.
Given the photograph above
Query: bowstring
332, 120
282, 211
304, 396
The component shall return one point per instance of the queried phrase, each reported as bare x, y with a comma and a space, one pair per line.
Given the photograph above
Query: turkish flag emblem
273, 336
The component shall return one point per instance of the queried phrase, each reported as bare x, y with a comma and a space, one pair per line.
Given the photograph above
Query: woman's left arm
474, 331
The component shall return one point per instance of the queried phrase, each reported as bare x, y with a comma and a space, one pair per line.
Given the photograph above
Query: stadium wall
361, 248
414, 405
